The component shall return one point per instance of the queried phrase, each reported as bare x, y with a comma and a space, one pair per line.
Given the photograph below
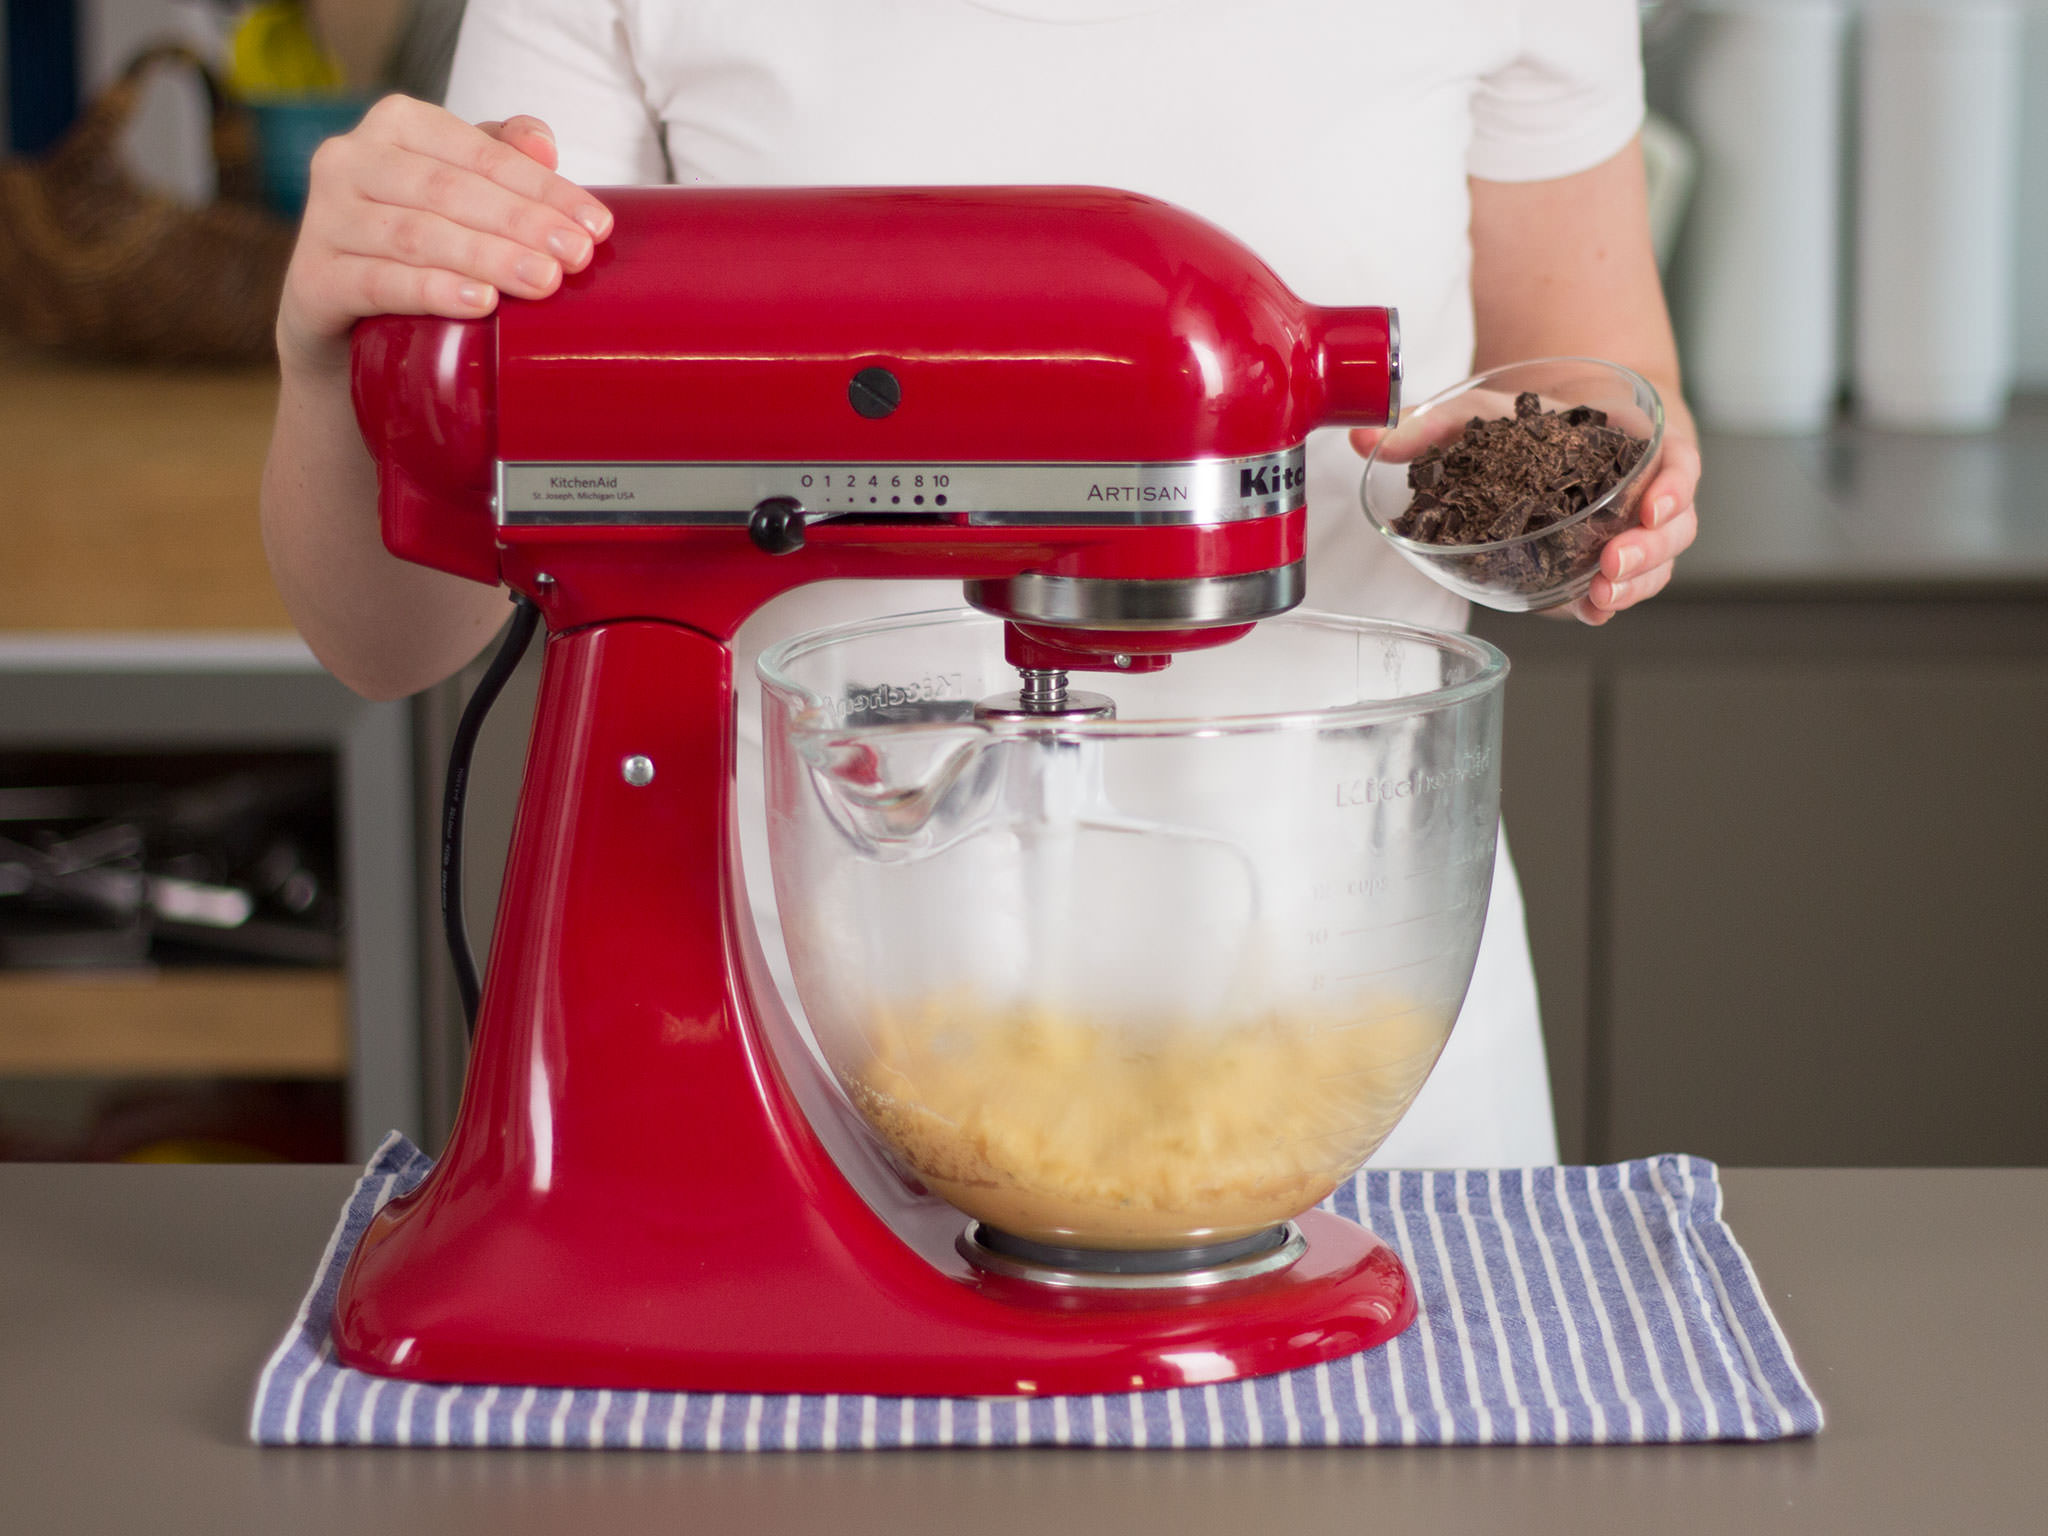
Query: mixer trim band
1288, 1245
1175, 493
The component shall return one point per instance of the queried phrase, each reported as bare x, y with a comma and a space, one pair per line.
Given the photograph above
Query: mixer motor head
1087, 406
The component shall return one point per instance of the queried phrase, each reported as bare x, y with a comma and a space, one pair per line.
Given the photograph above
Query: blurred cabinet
193, 692
1786, 861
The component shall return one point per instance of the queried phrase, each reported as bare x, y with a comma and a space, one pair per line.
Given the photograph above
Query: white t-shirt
1334, 137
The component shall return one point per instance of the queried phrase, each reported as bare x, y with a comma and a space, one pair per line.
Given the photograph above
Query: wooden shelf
132, 496
173, 1023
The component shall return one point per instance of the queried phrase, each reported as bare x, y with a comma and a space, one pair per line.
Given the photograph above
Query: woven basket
93, 262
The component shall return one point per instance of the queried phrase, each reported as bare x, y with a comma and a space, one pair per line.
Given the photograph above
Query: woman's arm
1564, 267
415, 212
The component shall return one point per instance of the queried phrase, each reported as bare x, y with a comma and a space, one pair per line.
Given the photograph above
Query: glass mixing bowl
1153, 982
1535, 570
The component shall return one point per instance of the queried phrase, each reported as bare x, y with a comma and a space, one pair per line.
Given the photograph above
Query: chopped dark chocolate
1519, 475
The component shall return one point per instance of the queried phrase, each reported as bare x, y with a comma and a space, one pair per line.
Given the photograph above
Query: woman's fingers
1607, 597
415, 238
1633, 589
1676, 482
391, 288
529, 135
348, 171
1637, 550
1636, 565
441, 136
399, 179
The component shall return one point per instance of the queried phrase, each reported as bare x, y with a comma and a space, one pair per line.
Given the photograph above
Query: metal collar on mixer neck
1188, 602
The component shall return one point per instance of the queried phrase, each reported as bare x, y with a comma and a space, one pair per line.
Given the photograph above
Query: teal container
288, 130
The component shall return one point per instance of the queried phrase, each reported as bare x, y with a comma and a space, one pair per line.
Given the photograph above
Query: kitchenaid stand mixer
1088, 407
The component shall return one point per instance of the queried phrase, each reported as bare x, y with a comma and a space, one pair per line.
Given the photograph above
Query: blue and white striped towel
1558, 1306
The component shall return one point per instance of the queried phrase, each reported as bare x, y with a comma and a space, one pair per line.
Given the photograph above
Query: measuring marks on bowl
1395, 932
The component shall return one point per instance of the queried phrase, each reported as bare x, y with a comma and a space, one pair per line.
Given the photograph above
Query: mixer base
643, 1318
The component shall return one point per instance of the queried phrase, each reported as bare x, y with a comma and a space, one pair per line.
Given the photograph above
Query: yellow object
274, 53
1149, 1133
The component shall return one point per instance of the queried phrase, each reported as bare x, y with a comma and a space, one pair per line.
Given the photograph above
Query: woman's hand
419, 213
1637, 561
416, 212
1565, 268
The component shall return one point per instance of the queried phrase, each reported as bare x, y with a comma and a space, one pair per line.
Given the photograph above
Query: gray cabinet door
1826, 911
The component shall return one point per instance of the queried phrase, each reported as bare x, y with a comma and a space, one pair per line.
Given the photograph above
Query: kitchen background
1786, 859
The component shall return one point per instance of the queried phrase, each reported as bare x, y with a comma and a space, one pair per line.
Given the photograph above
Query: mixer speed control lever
777, 525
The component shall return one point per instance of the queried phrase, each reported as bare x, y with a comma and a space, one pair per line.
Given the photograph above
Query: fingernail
571, 248
474, 295
1625, 566
535, 271
595, 219
1664, 508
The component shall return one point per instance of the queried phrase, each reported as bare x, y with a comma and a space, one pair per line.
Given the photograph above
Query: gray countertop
1855, 511
137, 1304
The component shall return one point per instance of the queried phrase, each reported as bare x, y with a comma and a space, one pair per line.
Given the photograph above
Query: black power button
874, 392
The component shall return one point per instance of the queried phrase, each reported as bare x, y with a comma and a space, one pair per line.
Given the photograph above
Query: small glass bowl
1553, 565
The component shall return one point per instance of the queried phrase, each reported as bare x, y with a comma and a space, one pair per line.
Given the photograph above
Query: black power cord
525, 619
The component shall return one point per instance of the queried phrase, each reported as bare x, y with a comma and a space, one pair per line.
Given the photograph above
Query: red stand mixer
1088, 407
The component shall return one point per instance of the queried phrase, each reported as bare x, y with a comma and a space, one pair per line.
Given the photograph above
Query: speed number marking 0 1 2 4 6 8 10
826, 489
1194, 491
